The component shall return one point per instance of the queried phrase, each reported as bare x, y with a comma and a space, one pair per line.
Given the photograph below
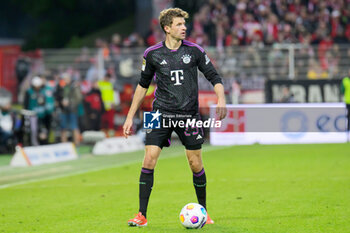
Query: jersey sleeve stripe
193, 45
157, 46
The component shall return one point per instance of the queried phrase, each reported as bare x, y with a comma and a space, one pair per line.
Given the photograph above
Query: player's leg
146, 178
145, 184
155, 140
194, 158
192, 139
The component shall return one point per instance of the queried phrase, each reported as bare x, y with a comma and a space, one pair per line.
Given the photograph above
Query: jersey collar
172, 50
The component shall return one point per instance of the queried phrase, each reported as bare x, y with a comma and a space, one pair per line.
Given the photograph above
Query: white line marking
171, 155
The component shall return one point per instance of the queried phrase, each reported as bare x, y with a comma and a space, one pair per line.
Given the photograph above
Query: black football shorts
191, 137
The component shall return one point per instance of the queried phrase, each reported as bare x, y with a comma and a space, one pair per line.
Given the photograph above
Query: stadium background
253, 44
266, 52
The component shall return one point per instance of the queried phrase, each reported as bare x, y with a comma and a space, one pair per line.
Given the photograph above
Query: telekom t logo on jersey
177, 75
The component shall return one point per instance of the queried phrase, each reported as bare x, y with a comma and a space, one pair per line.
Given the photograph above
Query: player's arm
207, 68
221, 110
140, 93
210, 73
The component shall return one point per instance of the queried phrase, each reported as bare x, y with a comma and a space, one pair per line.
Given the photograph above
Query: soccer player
173, 64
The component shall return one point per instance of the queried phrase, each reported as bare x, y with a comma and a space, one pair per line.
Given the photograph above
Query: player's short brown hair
166, 16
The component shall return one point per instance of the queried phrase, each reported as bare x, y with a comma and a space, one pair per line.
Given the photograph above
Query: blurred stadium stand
278, 62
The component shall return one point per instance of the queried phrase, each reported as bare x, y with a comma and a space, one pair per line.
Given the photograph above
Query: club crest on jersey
186, 58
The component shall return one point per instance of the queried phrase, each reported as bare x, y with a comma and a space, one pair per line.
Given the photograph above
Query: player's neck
172, 43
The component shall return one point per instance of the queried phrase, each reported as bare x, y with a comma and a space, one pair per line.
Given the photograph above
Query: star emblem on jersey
163, 62
186, 58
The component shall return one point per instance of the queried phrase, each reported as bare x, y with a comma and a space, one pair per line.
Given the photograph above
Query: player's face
178, 28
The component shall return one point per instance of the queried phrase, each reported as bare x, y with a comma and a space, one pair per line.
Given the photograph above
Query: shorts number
189, 131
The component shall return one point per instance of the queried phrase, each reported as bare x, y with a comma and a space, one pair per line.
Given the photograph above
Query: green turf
5, 159
255, 189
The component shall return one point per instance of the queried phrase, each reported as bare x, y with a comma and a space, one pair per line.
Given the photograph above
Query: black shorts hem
154, 144
193, 147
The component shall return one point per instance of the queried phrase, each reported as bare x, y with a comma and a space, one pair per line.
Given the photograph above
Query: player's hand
221, 110
127, 127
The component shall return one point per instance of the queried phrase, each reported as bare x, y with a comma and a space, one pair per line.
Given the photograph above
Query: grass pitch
255, 189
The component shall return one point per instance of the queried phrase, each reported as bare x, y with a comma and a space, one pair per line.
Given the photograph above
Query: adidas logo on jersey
163, 62
199, 137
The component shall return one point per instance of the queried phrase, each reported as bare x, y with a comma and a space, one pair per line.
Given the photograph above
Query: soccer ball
193, 215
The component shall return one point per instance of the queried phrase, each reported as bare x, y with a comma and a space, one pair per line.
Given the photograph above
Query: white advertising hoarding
281, 124
37, 155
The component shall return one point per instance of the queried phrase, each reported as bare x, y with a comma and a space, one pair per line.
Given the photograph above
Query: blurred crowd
59, 108
243, 38
319, 28
222, 23
265, 22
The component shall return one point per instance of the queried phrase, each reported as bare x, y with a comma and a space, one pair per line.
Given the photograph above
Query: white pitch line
171, 155
36, 173
65, 175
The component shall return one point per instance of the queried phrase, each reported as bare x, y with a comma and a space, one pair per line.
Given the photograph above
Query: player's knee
149, 164
149, 161
195, 164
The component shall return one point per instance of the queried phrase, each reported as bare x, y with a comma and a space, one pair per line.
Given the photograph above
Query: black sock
145, 188
200, 183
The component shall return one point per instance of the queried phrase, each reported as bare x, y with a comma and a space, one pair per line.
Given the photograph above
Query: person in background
345, 90
69, 97
6, 128
34, 100
236, 92
49, 107
94, 107
110, 100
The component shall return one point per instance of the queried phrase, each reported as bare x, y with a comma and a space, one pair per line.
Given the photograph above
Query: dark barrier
302, 91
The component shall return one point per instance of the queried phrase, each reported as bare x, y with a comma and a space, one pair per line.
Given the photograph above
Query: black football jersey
176, 75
